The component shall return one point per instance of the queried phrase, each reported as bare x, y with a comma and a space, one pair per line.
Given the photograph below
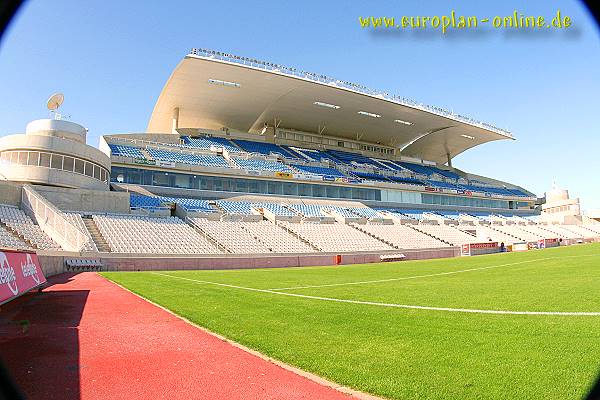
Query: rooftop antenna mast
53, 103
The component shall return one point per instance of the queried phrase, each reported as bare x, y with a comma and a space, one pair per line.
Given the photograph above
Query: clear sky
111, 59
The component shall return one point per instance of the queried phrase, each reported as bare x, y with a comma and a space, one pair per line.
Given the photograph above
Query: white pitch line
428, 275
372, 303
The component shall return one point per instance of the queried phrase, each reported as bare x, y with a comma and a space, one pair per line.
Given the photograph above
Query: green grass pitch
365, 334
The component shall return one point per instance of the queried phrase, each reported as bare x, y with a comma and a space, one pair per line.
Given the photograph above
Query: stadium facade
245, 160
279, 131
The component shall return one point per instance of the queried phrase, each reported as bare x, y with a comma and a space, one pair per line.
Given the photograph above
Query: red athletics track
86, 338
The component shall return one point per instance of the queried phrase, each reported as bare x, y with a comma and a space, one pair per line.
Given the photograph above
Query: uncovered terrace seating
277, 209
191, 204
402, 236
236, 207
517, 231
135, 234
336, 237
486, 234
307, 210
365, 212
581, 231
561, 232
447, 233
141, 201
20, 223
7, 240
276, 238
538, 231
232, 236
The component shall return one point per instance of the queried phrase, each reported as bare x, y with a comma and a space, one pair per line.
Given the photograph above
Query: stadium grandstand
244, 158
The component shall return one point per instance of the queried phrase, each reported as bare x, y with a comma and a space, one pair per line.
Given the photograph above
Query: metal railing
323, 79
52, 221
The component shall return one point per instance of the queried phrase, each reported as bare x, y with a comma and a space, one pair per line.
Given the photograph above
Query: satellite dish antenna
54, 102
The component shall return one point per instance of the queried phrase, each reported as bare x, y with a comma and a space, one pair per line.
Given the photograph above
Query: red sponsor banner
19, 273
484, 245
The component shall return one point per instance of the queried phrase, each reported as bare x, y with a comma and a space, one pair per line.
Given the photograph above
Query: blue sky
111, 59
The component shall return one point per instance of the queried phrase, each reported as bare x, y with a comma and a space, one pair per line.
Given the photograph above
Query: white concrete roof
244, 96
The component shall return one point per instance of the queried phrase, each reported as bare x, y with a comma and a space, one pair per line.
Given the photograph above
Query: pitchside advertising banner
475, 249
19, 273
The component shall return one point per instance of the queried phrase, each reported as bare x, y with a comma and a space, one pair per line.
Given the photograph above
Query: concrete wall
86, 200
10, 193
53, 262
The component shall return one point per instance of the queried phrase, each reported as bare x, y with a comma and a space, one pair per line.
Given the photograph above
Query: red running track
86, 338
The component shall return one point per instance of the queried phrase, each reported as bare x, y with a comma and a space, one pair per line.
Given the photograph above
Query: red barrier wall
19, 273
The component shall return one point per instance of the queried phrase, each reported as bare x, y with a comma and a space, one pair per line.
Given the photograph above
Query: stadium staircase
16, 235
146, 154
358, 227
97, 237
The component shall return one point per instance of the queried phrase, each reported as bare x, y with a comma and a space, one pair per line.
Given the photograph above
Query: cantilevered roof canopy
211, 92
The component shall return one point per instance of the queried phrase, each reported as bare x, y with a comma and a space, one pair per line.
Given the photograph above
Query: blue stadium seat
194, 159
236, 207
277, 209
262, 165
324, 171
207, 142
308, 210
141, 201
263, 148
125, 151
191, 204
347, 158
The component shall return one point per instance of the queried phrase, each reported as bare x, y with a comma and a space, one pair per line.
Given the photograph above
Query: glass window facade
54, 161
239, 185
148, 177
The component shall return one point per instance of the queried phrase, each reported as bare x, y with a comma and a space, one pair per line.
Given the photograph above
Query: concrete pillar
175, 122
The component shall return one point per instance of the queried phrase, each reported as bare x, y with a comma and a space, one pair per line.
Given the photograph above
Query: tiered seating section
8, 240
292, 159
134, 234
187, 158
229, 231
336, 237
401, 236
20, 224
126, 151
258, 237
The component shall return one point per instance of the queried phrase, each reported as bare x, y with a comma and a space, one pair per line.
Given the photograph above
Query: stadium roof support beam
175, 120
